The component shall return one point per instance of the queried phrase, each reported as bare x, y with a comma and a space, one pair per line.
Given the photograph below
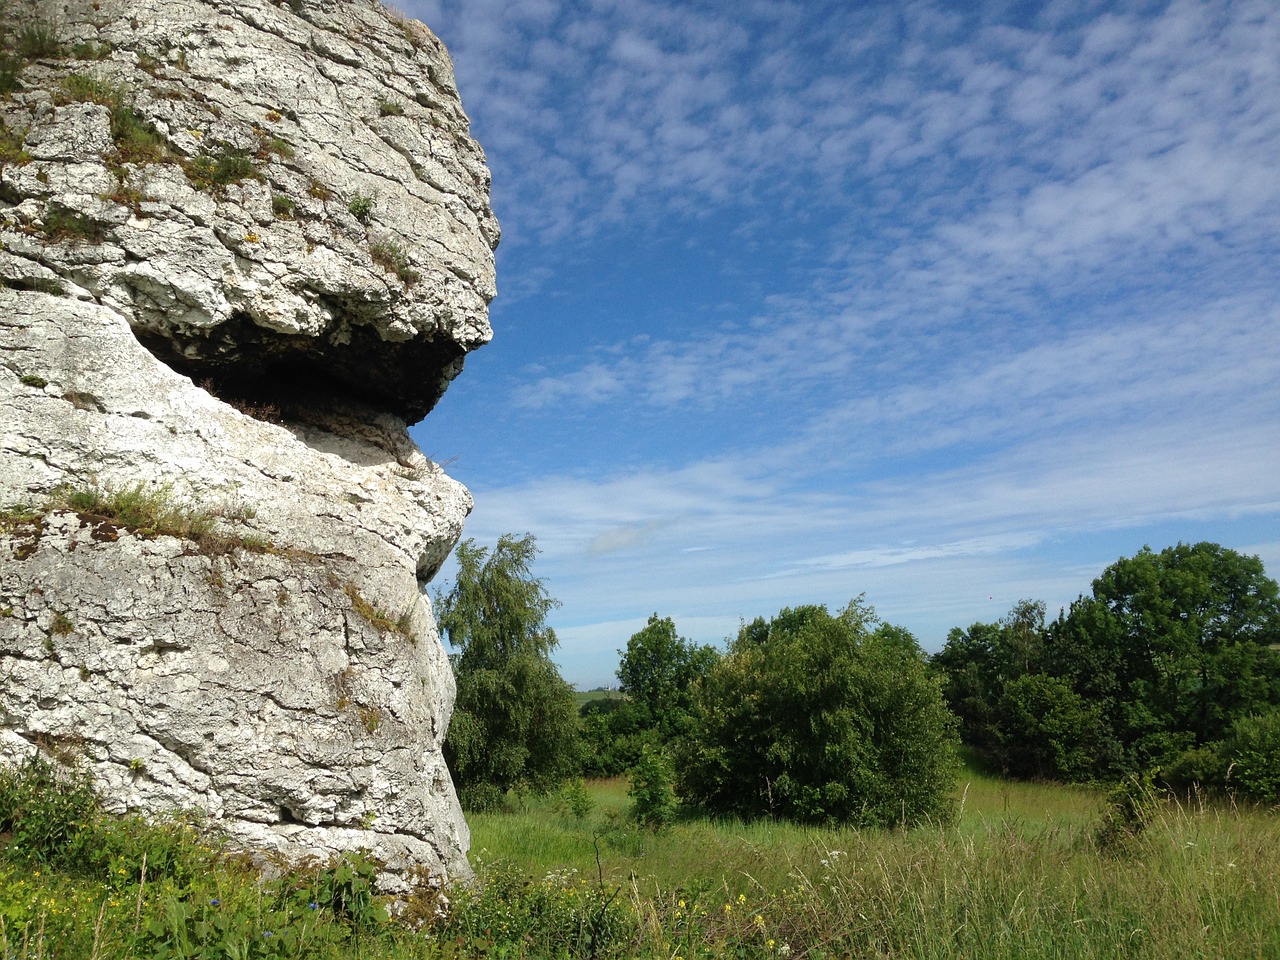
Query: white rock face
289, 680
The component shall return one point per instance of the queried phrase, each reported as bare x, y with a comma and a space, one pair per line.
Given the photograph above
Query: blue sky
948, 303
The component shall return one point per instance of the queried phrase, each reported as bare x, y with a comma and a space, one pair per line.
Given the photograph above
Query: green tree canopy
820, 718
658, 671
515, 723
978, 663
1173, 647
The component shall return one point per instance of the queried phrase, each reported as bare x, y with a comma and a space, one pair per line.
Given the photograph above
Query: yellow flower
742, 898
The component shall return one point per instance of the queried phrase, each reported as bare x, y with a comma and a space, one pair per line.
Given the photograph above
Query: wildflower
742, 898
215, 902
770, 943
312, 905
758, 920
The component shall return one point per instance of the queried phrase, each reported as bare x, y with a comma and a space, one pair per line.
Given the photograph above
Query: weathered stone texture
296, 689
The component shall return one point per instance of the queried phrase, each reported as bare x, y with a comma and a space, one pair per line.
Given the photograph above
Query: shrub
91, 51
62, 224
818, 718
508, 915
282, 205
390, 108
1252, 752
653, 801
576, 799
44, 810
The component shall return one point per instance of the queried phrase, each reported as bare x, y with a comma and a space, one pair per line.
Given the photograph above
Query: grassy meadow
1020, 873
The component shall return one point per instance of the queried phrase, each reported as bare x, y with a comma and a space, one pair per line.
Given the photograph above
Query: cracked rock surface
241, 244
270, 196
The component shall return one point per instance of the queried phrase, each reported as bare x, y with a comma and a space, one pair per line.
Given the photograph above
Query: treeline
1169, 671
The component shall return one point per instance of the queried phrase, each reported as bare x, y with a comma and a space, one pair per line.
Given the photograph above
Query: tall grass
1021, 874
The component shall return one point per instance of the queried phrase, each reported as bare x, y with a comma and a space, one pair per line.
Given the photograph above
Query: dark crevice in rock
254, 367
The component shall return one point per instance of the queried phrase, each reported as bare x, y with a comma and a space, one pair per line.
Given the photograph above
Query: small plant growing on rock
319, 190
216, 171
158, 511
275, 146
390, 108
91, 51
136, 140
63, 224
371, 717
36, 39
361, 206
283, 206
32, 380
11, 150
393, 258
375, 617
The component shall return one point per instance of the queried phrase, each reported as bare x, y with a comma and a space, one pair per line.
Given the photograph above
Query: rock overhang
272, 194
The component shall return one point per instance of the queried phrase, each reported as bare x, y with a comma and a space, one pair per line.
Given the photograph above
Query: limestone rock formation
241, 244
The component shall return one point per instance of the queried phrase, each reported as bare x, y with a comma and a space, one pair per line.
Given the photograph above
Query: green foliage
59, 223
515, 723
86, 50
560, 915
1172, 648
659, 671
390, 108
218, 170
1046, 730
819, 718
977, 663
614, 731
36, 39
1018, 876
576, 799
653, 798
44, 810
1251, 754
157, 510
361, 206
1132, 806
11, 143
283, 205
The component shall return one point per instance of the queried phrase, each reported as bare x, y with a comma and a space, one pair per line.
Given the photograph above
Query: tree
658, 671
515, 723
1047, 731
1172, 648
978, 663
821, 718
